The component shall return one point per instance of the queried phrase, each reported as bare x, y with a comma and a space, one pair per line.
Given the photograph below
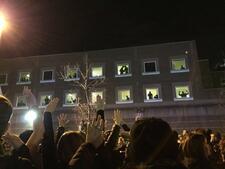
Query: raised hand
31, 99
117, 118
94, 132
52, 105
13, 140
62, 120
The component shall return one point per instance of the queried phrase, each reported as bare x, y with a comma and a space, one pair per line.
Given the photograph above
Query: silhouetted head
195, 147
5, 114
68, 144
151, 139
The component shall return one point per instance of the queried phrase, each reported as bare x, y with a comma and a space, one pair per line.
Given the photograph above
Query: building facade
162, 80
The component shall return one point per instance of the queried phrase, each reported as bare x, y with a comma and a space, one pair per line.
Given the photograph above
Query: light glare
30, 116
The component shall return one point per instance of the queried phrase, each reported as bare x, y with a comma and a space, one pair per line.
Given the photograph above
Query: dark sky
57, 26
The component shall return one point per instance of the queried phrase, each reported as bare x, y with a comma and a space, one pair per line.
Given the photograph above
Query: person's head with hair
5, 114
68, 144
195, 147
24, 136
151, 139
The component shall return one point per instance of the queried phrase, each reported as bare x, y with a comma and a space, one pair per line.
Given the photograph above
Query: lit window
183, 92
71, 72
21, 101
123, 69
3, 78
97, 71
96, 96
24, 77
152, 94
70, 98
45, 99
179, 65
124, 95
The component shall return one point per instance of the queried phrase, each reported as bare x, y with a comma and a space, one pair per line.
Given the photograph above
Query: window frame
64, 99
77, 73
124, 88
19, 82
97, 65
98, 90
179, 57
16, 102
42, 75
44, 93
6, 79
129, 74
186, 84
152, 86
150, 60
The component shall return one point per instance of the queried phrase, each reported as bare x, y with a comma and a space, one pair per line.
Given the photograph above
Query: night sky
58, 26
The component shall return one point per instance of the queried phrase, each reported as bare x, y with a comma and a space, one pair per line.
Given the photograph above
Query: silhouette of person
127, 98
156, 96
150, 95
182, 67
47, 100
125, 70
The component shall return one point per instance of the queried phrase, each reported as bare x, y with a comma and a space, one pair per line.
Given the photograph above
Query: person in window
127, 98
47, 100
122, 70
183, 93
21, 103
150, 95
156, 96
126, 69
182, 67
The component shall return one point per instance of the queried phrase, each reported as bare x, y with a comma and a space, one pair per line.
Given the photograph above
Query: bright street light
30, 116
3, 23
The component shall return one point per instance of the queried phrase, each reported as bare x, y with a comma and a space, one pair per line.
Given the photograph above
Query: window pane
70, 98
178, 64
24, 77
21, 101
3, 78
96, 96
45, 99
150, 67
152, 93
96, 71
71, 73
123, 95
48, 75
182, 92
122, 69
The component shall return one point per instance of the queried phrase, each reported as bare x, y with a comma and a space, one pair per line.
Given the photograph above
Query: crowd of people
149, 143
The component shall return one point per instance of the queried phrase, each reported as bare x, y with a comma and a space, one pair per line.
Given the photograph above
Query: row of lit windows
123, 69
124, 95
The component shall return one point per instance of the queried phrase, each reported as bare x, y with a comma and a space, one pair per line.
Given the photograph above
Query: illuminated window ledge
179, 71
23, 83
97, 77
126, 75
150, 73
124, 102
183, 99
152, 100
72, 79
21, 108
4, 84
70, 105
47, 81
